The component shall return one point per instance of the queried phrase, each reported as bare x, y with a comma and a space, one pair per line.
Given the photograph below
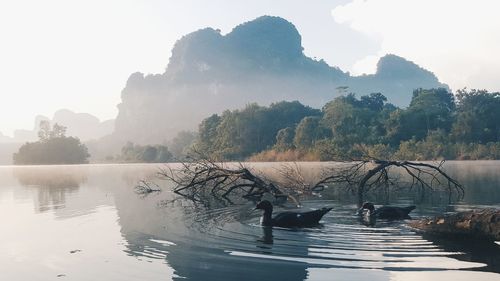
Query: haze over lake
203, 140
87, 223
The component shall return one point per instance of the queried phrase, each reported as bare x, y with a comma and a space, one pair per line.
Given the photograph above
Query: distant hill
84, 126
81, 125
22, 136
258, 61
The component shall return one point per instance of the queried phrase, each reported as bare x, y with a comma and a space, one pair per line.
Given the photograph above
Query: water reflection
267, 238
213, 263
220, 243
51, 184
198, 243
369, 221
129, 238
476, 250
61, 177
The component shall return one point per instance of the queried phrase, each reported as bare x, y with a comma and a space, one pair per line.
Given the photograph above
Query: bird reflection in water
266, 241
366, 220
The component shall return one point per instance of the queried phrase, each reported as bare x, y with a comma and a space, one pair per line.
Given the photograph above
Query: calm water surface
86, 223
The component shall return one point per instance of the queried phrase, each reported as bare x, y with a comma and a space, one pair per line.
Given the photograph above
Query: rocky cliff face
258, 61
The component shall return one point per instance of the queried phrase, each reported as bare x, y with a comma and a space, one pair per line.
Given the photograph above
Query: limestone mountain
83, 125
258, 61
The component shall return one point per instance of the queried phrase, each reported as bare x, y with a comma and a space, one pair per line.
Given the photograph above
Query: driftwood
479, 223
367, 175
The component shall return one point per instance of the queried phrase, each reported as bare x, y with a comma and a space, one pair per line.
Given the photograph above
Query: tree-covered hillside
435, 125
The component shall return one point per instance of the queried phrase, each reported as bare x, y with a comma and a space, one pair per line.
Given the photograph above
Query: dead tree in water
144, 188
363, 176
194, 179
203, 176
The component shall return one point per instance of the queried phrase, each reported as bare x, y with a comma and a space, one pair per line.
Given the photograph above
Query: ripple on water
340, 242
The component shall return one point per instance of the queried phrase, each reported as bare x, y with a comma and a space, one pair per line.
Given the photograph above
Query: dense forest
436, 125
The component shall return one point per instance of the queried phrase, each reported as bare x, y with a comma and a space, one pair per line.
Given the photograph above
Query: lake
87, 223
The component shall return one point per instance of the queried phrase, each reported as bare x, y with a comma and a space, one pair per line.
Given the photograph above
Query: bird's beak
361, 211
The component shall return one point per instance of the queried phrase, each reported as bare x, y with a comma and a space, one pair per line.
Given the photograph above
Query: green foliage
329, 149
240, 133
478, 115
433, 147
52, 148
376, 151
308, 131
374, 102
429, 110
432, 127
354, 121
284, 139
145, 154
182, 143
476, 151
207, 134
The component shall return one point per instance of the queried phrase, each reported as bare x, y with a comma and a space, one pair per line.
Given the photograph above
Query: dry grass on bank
284, 156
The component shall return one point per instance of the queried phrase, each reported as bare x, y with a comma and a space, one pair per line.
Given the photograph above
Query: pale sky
78, 54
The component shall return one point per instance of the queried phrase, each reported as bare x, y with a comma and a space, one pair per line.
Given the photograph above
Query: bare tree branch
203, 176
371, 174
223, 181
144, 188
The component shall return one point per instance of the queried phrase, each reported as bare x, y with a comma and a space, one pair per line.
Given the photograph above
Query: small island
52, 148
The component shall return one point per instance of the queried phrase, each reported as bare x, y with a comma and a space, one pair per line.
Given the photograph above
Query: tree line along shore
436, 125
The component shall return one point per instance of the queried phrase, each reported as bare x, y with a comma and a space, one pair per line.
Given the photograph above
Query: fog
261, 61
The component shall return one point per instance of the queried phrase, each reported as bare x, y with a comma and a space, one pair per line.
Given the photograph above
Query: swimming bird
290, 219
387, 212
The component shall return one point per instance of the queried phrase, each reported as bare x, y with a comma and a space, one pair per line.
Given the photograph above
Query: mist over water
86, 223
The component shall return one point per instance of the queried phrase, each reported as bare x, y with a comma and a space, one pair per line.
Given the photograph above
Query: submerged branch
201, 177
366, 175
144, 187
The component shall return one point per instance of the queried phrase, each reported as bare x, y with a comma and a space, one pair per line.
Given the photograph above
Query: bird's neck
267, 219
